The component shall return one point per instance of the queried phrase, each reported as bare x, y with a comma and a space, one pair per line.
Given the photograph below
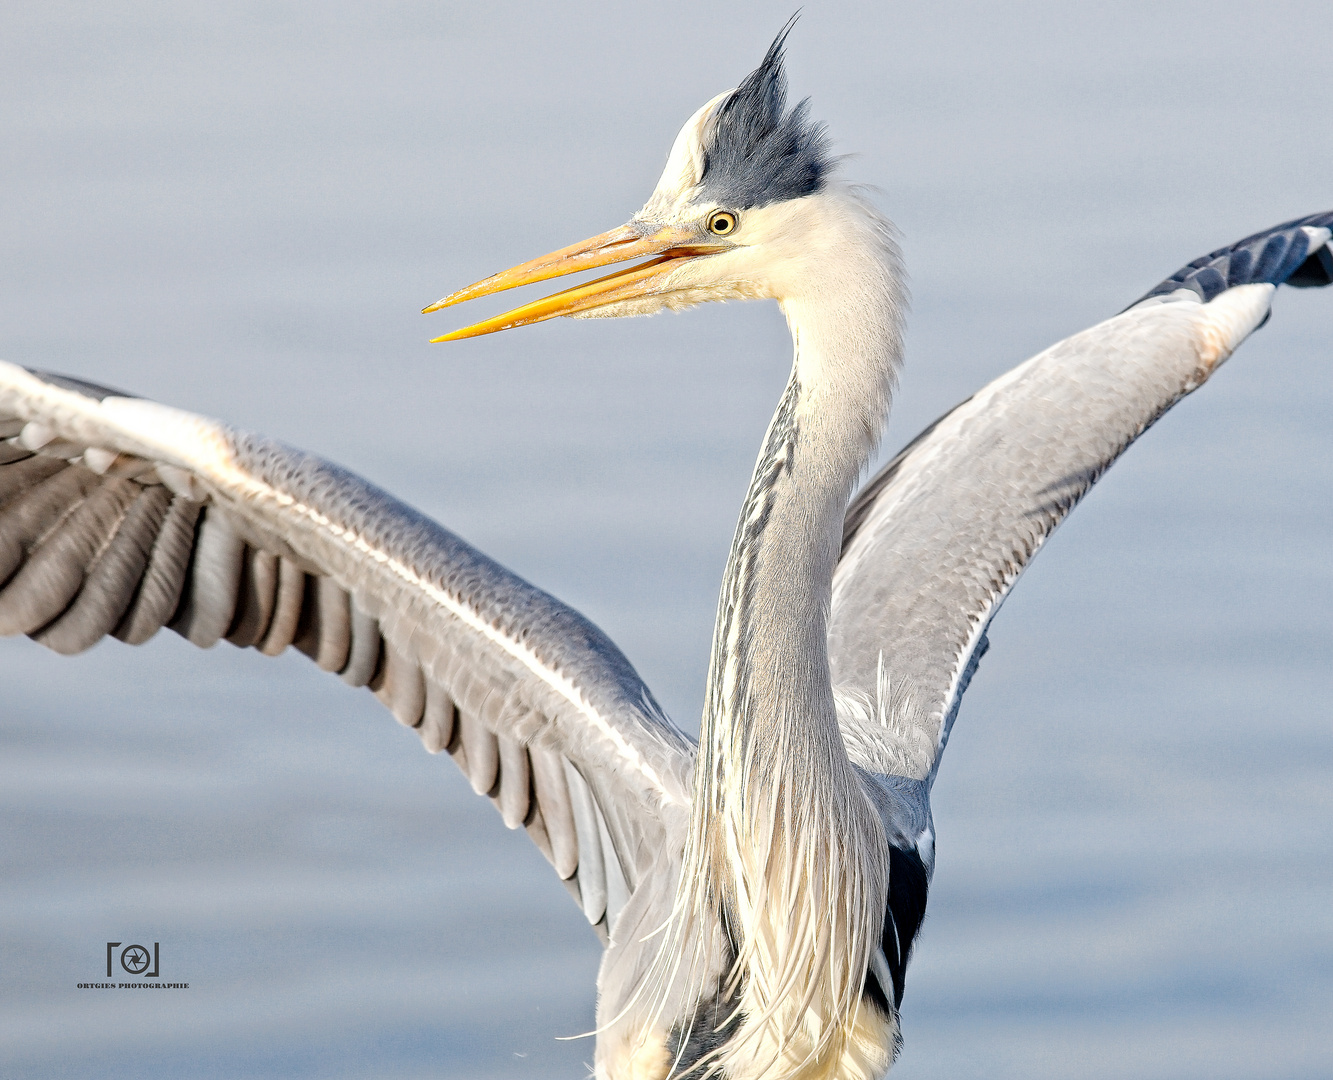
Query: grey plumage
208, 603
592, 884
926, 565
515, 782
131, 558
286, 616
403, 690
160, 590
438, 718
483, 753
557, 811
364, 655
21, 473
36, 511
112, 580
258, 593
323, 632
54, 572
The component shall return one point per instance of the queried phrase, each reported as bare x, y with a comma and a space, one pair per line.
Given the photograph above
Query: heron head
731, 218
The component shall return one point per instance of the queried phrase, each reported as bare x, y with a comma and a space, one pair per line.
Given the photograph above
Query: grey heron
121, 516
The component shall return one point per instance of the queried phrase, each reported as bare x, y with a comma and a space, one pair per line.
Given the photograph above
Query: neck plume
786, 853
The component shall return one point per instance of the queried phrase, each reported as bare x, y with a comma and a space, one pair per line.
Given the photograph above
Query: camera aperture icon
135, 959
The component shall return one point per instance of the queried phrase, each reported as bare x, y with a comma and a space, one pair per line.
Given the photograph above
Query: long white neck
782, 833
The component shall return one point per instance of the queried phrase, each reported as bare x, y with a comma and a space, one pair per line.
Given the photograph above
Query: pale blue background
240, 211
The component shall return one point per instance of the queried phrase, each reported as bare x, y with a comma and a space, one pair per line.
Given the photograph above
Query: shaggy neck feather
783, 835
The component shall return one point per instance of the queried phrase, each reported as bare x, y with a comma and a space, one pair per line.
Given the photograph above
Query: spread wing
933, 544
119, 516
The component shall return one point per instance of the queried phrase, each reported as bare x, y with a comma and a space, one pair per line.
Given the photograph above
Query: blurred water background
239, 209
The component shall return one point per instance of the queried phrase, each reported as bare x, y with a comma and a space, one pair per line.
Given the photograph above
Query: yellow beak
671, 245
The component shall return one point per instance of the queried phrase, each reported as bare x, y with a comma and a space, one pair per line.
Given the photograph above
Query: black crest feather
756, 153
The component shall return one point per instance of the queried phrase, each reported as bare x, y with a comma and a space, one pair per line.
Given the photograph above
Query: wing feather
207, 607
160, 590
258, 592
933, 544
120, 516
111, 582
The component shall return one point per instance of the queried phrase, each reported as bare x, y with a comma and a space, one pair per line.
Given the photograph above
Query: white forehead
685, 164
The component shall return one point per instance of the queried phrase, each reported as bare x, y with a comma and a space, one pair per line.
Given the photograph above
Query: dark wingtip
1278, 256
1315, 272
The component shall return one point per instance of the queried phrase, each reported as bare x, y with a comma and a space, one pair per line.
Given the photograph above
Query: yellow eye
721, 222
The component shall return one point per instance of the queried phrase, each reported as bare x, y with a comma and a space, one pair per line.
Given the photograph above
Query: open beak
671, 245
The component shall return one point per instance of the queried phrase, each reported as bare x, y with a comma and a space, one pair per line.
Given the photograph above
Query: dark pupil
722, 224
